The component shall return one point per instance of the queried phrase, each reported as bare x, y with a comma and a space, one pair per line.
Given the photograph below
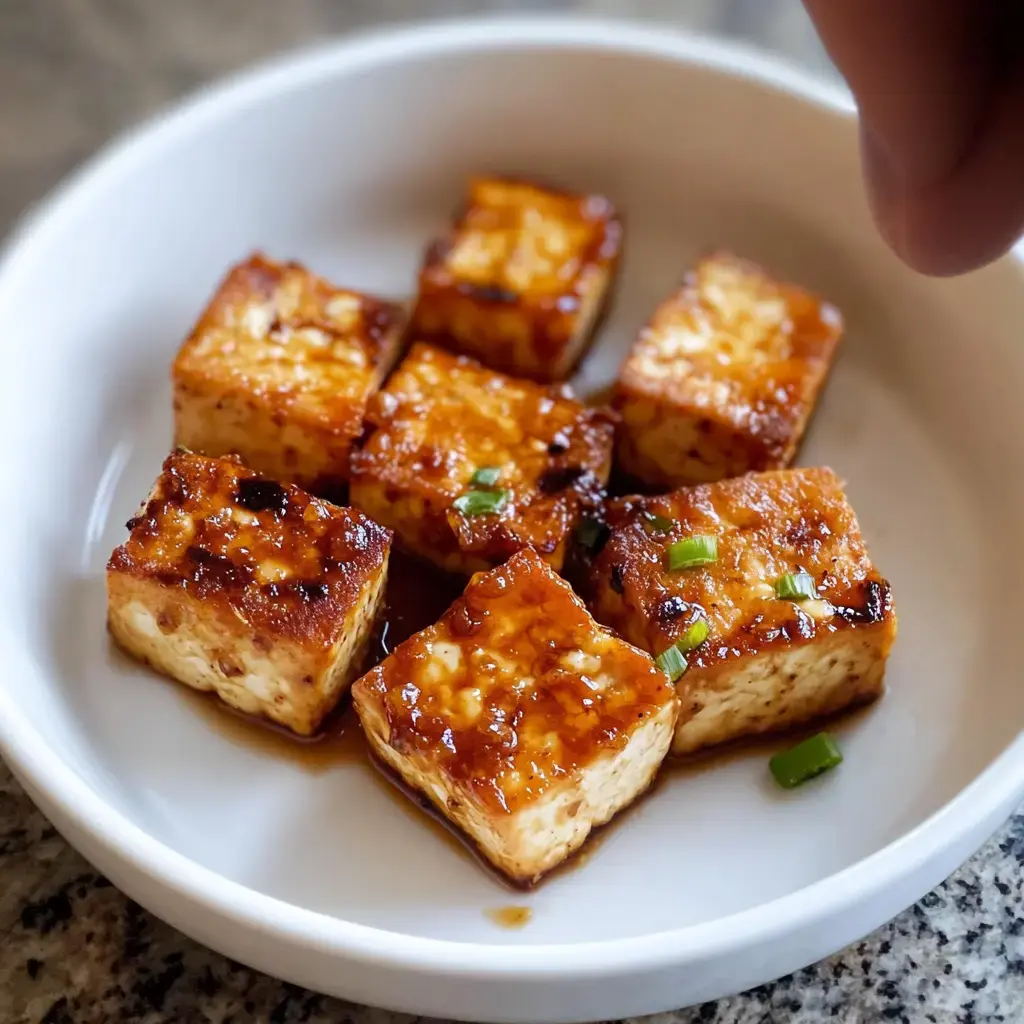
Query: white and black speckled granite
73, 950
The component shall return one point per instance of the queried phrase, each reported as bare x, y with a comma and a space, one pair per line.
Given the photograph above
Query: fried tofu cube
522, 279
520, 718
279, 369
724, 378
762, 656
468, 466
256, 591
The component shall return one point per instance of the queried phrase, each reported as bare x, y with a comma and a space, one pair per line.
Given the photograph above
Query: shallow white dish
348, 158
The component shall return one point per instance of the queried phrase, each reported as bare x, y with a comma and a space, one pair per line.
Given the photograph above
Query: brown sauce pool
417, 595
511, 916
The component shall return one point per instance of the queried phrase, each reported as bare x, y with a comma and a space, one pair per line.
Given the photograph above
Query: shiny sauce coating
766, 526
284, 561
740, 349
516, 688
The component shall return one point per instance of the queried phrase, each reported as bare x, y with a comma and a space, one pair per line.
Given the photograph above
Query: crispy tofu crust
521, 280
279, 369
257, 591
442, 417
520, 718
724, 378
767, 664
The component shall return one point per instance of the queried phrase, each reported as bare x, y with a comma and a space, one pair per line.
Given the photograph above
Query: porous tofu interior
442, 417
279, 369
522, 278
233, 583
766, 525
520, 718
724, 377
782, 688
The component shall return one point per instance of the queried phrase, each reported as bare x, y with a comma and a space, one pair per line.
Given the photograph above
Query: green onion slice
795, 586
692, 552
589, 532
672, 662
485, 476
805, 761
695, 635
660, 523
481, 503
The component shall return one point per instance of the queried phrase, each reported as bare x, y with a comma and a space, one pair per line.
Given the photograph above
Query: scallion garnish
795, 586
695, 635
805, 761
672, 662
589, 533
692, 553
659, 523
481, 503
485, 476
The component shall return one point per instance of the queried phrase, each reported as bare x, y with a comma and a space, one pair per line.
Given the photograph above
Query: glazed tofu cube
764, 586
522, 279
524, 722
468, 466
279, 369
234, 584
724, 378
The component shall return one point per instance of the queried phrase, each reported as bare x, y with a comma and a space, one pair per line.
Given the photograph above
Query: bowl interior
351, 171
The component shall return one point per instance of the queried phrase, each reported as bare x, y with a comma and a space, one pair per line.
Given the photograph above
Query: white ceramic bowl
349, 157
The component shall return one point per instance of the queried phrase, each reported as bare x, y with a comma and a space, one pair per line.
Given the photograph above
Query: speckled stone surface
73, 949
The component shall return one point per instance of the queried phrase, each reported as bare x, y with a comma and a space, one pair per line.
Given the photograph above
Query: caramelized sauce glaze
442, 417
519, 264
767, 525
515, 688
739, 349
284, 335
288, 564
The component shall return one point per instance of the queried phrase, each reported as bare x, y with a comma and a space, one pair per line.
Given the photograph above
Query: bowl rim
42, 768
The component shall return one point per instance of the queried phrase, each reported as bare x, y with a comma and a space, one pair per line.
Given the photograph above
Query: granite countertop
74, 950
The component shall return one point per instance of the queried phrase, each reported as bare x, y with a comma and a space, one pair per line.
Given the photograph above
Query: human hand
940, 89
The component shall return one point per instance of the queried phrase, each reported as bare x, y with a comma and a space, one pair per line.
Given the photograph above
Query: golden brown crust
766, 525
285, 563
514, 691
441, 418
723, 379
520, 280
279, 369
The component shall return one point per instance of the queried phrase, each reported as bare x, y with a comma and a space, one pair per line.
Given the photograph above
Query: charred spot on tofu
724, 378
519, 718
254, 590
762, 661
459, 462
522, 279
279, 369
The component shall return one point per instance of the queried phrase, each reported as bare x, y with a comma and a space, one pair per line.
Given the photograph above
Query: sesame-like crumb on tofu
724, 378
520, 718
468, 466
790, 622
279, 369
521, 280
234, 584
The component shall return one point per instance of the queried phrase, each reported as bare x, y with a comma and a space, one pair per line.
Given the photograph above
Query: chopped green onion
795, 586
481, 503
805, 761
692, 552
695, 635
658, 522
485, 476
672, 662
590, 532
